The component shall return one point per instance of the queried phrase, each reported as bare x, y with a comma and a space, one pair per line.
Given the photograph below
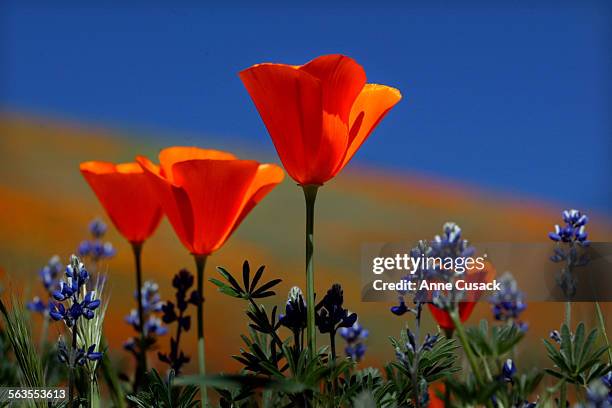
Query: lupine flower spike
331, 315
508, 304
49, 279
73, 302
355, 337
571, 242
176, 313
295, 317
153, 327
95, 248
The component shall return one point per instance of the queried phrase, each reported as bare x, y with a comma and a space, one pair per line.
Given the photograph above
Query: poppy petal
342, 79
369, 109
216, 189
266, 178
126, 196
465, 310
442, 317
289, 102
173, 200
175, 154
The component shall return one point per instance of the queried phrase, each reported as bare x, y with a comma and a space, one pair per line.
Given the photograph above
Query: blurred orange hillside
45, 207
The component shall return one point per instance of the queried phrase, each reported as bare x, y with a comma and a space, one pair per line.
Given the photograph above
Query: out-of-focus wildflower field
46, 207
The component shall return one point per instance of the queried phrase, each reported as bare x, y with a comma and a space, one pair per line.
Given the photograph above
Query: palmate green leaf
228, 277
434, 364
225, 289
576, 360
556, 356
250, 289
493, 342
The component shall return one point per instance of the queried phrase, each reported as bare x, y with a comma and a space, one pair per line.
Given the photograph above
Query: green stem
71, 378
310, 195
602, 327
414, 372
550, 392
563, 387
142, 356
466, 345
200, 265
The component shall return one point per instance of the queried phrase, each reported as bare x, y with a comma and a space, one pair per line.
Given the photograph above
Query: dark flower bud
169, 314
186, 323
400, 309
195, 299
508, 370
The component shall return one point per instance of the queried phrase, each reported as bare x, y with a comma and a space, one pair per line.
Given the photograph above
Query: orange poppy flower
317, 114
467, 306
443, 317
124, 192
207, 193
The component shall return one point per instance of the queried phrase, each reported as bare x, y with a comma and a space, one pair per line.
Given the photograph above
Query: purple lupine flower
450, 244
507, 304
95, 248
330, 315
155, 327
355, 352
573, 230
430, 341
571, 241
79, 356
599, 394
508, 370
48, 275
69, 291
355, 337
423, 249
152, 308
400, 309
36, 305
294, 317
97, 228
555, 336
74, 301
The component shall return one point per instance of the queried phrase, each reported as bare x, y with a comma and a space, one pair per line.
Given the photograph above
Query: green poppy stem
454, 314
310, 195
141, 368
200, 261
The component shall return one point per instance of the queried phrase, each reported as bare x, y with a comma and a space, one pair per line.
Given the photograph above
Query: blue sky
514, 97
